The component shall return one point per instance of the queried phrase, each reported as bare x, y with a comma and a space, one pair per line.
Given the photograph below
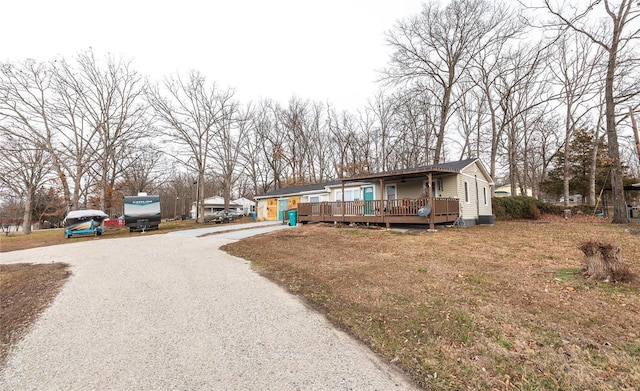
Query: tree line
469, 79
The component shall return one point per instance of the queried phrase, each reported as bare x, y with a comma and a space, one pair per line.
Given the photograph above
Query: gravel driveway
172, 312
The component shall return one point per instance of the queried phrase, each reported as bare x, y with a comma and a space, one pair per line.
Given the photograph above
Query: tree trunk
26, 217
594, 166
617, 187
634, 127
200, 196
604, 263
567, 152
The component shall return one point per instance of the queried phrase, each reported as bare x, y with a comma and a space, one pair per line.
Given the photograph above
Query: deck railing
443, 209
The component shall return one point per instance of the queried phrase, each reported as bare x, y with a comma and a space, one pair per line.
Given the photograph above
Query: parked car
222, 216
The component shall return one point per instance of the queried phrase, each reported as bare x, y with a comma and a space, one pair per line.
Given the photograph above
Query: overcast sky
314, 49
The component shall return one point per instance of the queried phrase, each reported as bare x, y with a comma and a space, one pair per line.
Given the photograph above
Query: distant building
246, 206
505, 191
214, 204
573, 199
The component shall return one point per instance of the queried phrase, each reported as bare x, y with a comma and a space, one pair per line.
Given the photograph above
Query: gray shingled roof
452, 167
298, 189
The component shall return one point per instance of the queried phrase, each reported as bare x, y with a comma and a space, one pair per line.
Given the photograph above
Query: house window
466, 192
314, 198
349, 195
391, 192
437, 187
484, 193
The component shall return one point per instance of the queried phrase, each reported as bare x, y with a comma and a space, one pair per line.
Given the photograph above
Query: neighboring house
246, 206
214, 204
274, 204
459, 189
573, 199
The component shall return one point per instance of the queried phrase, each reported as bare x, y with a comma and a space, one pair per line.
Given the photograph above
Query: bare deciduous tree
615, 38
110, 96
142, 173
432, 50
256, 163
574, 69
24, 166
27, 100
383, 109
636, 135
272, 142
229, 141
189, 113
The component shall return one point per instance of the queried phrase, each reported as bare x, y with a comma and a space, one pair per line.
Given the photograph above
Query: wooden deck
404, 211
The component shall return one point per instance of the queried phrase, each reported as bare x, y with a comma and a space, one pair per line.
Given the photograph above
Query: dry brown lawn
487, 307
502, 307
25, 291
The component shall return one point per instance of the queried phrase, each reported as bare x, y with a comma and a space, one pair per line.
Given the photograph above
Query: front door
283, 206
367, 196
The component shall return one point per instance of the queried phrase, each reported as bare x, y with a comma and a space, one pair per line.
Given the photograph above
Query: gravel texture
172, 312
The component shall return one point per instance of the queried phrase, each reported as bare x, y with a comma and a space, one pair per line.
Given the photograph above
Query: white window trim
467, 194
386, 190
356, 193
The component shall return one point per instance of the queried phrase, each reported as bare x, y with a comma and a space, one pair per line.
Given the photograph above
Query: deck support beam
342, 201
382, 198
431, 203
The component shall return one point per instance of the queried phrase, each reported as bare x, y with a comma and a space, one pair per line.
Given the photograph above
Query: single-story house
214, 204
274, 204
435, 194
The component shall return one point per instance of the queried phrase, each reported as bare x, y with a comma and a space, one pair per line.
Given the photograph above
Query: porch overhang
425, 172
398, 175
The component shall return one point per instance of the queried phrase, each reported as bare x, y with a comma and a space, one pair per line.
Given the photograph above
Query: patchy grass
569, 274
486, 307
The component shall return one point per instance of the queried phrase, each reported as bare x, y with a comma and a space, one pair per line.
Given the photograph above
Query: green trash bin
293, 218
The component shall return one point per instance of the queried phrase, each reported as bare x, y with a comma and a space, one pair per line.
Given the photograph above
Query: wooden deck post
382, 198
382, 206
342, 201
432, 215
